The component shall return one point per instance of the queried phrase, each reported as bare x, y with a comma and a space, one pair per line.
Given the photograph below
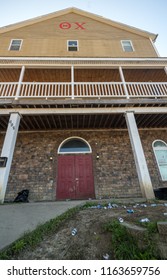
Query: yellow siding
96, 40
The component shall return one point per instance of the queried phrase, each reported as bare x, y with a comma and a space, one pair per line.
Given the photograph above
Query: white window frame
75, 46
164, 148
20, 45
71, 138
131, 45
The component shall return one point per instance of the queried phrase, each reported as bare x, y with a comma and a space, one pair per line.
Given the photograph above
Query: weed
89, 204
97, 237
19, 245
152, 227
125, 246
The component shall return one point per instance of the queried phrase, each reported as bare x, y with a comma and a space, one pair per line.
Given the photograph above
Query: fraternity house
83, 109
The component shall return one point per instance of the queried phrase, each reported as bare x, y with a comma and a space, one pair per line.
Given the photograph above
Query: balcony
83, 90
130, 81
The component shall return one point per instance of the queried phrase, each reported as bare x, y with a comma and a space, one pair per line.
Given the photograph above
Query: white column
140, 161
7, 151
123, 82
20, 81
72, 81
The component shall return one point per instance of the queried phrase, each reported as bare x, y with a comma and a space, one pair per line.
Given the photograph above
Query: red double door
75, 177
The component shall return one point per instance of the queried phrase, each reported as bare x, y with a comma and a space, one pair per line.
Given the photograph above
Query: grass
125, 246
31, 239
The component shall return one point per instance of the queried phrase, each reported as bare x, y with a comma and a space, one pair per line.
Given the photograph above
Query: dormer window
15, 44
127, 46
72, 45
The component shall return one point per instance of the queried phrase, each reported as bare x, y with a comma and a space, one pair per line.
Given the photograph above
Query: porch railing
99, 90
82, 90
8, 90
45, 90
147, 89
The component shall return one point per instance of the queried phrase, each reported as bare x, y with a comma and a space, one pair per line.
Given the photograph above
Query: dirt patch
91, 242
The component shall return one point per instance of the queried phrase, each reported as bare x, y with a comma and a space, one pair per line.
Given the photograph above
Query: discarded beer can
99, 206
136, 205
74, 231
130, 211
145, 220
106, 257
114, 205
110, 206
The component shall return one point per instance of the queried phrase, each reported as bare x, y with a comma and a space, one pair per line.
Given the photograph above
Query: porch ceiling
145, 75
9, 74
85, 121
88, 74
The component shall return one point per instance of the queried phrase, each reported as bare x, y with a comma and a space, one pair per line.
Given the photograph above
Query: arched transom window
74, 145
160, 151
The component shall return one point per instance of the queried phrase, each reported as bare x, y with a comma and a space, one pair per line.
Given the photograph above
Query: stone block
163, 250
162, 228
23, 177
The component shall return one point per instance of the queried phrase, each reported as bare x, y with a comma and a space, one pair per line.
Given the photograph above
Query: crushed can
120, 220
74, 231
130, 211
145, 220
143, 205
106, 257
109, 206
115, 205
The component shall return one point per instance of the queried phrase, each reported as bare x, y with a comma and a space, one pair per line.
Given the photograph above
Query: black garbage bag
22, 196
161, 193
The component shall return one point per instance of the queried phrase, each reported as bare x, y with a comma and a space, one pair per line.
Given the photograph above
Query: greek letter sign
73, 25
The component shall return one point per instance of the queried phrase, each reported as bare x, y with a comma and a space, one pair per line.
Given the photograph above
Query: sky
149, 15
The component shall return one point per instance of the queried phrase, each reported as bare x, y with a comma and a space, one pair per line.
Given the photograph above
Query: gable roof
82, 13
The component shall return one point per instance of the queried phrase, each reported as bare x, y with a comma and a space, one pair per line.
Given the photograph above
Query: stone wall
114, 172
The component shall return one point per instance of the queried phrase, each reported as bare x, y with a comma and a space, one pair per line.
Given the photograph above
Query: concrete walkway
16, 219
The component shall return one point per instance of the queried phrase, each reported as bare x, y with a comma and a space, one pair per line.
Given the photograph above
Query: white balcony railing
8, 90
82, 90
98, 90
147, 89
45, 90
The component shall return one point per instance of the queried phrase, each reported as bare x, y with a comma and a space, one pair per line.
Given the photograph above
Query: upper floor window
160, 151
127, 46
15, 45
72, 45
